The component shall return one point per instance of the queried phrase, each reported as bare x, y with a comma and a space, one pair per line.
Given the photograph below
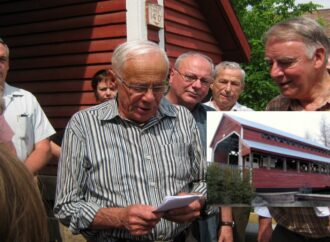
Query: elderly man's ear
171, 75
211, 86
319, 57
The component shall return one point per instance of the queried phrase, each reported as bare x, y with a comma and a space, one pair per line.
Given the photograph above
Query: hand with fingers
140, 219
185, 214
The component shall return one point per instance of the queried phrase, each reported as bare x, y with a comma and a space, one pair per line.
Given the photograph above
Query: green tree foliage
228, 185
256, 17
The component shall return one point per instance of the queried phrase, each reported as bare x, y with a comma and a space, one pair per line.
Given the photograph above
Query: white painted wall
136, 25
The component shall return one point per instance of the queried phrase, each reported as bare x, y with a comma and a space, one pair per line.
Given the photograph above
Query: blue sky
325, 3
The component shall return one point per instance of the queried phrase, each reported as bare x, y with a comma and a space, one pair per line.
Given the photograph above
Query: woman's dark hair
99, 76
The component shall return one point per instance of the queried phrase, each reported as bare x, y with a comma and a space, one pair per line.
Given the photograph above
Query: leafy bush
229, 185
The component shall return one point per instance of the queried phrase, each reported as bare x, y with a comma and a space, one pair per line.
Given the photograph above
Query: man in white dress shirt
228, 84
26, 118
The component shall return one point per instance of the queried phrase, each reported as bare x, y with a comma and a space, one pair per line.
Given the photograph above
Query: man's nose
108, 92
228, 87
149, 95
275, 70
197, 83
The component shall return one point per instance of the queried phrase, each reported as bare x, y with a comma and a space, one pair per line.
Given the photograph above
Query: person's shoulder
173, 110
12, 90
279, 103
170, 108
98, 110
207, 107
240, 107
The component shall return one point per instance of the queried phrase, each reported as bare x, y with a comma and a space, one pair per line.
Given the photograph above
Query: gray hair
232, 66
301, 29
134, 49
193, 53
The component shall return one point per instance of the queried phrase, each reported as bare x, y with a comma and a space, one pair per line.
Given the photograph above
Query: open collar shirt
26, 118
108, 161
236, 107
282, 103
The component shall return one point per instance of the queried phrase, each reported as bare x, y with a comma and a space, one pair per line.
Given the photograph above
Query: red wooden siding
57, 46
153, 34
226, 127
263, 178
186, 29
256, 135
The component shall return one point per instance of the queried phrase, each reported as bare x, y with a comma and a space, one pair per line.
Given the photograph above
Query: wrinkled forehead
147, 64
230, 73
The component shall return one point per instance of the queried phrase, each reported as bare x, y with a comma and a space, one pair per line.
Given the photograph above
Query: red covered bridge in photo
279, 161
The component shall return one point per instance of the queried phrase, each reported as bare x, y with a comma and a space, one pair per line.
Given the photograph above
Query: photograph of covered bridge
279, 160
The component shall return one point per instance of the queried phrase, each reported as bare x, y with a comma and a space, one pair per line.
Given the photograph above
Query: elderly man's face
4, 64
291, 69
226, 88
141, 87
190, 83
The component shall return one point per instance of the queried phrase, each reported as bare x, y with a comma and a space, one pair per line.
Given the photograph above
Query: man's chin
143, 116
191, 100
289, 93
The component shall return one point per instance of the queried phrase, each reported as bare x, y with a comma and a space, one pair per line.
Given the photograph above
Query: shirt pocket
23, 123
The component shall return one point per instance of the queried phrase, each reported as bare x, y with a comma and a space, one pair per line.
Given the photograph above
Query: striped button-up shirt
107, 161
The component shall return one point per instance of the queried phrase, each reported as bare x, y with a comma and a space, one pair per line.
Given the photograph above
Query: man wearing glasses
26, 119
121, 158
190, 80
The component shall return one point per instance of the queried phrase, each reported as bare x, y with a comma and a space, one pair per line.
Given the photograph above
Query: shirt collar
200, 107
294, 105
234, 108
10, 91
109, 110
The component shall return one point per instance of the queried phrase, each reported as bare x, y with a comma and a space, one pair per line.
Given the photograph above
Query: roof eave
225, 25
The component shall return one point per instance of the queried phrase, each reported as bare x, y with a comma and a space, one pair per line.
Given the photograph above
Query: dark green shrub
229, 185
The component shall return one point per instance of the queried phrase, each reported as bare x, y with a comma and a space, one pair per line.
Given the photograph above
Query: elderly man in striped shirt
121, 158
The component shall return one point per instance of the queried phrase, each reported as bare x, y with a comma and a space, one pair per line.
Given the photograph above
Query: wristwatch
227, 223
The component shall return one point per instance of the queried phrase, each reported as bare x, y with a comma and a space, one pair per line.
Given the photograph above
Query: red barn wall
57, 46
186, 29
263, 178
256, 135
226, 126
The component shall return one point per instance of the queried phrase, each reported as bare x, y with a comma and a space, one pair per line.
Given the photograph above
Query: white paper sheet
171, 202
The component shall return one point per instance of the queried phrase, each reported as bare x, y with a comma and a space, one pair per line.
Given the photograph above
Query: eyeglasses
141, 89
205, 81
